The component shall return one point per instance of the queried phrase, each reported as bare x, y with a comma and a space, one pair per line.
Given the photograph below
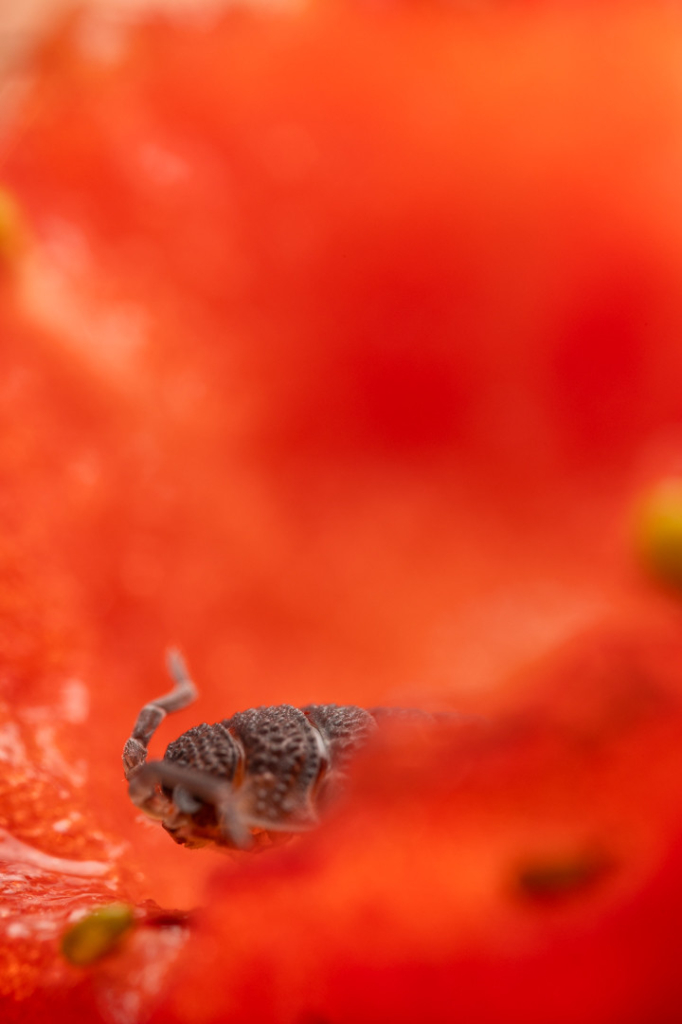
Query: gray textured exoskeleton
246, 782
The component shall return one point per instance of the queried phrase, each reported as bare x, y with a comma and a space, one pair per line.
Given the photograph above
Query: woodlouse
249, 781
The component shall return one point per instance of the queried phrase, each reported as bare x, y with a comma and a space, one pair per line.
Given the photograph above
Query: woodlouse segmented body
249, 780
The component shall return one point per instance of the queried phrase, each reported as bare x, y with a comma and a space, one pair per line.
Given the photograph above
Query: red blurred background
339, 345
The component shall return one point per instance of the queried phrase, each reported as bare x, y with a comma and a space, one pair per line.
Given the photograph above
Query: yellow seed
97, 934
659, 532
12, 231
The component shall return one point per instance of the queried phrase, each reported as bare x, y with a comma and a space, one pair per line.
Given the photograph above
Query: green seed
97, 934
548, 880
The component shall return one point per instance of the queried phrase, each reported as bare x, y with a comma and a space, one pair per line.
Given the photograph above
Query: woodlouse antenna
177, 669
150, 717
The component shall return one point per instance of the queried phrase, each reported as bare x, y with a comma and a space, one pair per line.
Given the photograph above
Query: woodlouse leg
152, 714
189, 786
